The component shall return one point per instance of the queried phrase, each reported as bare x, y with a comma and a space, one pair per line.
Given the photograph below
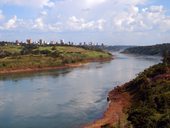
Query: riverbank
115, 115
30, 58
146, 97
71, 65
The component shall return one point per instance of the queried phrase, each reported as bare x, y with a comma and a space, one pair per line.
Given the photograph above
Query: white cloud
110, 16
151, 18
1, 15
15, 23
12, 23
56, 27
39, 24
91, 3
30, 25
80, 24
48, 4
33, 3
156, 9
100, 24
130, 2
43, 13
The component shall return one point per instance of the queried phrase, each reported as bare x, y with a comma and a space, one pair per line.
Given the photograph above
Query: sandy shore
114, 115
34, 69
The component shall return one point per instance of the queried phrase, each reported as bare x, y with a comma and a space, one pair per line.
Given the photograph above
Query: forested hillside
150, 93
148, 50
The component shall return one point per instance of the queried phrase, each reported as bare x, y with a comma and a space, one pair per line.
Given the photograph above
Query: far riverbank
71, 65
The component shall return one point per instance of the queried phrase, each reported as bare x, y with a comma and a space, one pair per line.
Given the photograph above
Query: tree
164, 122
53, 48
141, 118
166, 57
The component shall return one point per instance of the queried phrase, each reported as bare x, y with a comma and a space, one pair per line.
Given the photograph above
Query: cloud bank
111, 19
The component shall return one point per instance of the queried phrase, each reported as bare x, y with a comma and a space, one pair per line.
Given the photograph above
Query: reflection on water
66, 98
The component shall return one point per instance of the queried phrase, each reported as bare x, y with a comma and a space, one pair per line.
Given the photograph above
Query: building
17, 42
40, 41
29, 41
62, 42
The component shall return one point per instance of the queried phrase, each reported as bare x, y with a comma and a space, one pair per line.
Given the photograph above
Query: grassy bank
13, 57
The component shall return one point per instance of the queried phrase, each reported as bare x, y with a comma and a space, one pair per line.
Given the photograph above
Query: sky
112, 22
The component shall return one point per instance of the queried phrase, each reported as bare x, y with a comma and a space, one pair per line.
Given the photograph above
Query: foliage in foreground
150, 93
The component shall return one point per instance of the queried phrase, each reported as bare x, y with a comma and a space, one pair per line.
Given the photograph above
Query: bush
4, 54
141, 118
164, 121
46, 52
150, 98
53, 48
55, 54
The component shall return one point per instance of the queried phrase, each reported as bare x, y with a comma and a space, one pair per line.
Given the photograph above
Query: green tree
164, 122
165, 57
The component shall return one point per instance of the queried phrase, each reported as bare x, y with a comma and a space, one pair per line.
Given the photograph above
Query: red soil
119, 101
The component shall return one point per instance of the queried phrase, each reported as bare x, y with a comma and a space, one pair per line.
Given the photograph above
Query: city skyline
51, 42
124, 22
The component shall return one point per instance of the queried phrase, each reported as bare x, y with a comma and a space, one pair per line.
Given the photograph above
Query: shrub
164, 121
140, 118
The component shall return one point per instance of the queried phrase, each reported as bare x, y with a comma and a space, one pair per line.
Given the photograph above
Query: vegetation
150, 98
150, 93
148, 50
34, 56
117, 48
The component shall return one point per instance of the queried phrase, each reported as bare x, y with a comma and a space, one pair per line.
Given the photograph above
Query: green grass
94, 54
11, 48
66, 49
29, 61
58, 56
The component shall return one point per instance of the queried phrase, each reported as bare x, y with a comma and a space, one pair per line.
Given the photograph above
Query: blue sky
113, 22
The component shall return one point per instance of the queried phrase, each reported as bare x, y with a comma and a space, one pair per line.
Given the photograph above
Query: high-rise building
17, 42
40, 41
29, 41
61, 42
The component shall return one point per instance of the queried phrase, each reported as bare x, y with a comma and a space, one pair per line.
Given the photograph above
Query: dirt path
115, 112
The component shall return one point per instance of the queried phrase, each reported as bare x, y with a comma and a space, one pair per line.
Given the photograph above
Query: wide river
67, 98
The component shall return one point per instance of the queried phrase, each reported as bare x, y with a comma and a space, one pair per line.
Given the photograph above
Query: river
67, 98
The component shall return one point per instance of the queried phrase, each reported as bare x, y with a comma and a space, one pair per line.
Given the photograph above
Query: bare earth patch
119, 102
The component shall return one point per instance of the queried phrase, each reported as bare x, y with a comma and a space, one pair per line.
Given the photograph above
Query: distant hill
117, 48
148, 50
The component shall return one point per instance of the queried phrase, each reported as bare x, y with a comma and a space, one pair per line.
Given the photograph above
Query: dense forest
117, 48
150, 93
148, 50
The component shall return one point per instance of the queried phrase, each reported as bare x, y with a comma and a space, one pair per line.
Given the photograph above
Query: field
14, 57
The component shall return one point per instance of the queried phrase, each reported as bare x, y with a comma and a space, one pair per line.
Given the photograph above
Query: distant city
44, 42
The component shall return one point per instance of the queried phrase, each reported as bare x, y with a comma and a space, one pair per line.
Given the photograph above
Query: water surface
67, 98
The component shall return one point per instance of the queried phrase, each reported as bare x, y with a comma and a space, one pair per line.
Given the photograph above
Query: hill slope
148, 50
117, 48
13, 57
150, 93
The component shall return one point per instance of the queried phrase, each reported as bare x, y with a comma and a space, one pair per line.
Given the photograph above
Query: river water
67, 98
